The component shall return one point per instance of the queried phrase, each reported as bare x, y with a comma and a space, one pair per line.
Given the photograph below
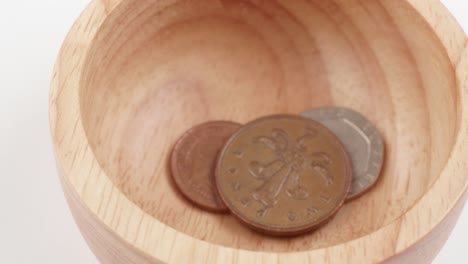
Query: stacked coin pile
282, 174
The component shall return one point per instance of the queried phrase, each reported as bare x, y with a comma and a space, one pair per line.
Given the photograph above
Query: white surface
35, 223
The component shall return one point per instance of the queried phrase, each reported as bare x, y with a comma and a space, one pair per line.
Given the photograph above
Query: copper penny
283, 175
193, 163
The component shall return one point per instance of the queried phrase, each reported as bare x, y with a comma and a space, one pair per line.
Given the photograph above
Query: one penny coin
193, 162
362, 141
283, 175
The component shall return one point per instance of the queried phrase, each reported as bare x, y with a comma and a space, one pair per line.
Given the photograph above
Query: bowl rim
71, 143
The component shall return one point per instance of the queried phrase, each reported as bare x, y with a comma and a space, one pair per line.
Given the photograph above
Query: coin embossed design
193, 162
283, 174
362, 140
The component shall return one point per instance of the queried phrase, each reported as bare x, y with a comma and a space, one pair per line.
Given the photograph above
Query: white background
35, 223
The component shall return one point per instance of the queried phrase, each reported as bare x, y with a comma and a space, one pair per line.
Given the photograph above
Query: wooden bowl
134, 75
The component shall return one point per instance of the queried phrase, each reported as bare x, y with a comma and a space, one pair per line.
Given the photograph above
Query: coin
362, 141
283, 175
193, 161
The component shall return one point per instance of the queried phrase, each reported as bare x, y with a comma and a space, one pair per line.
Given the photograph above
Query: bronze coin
283, 175
193, 163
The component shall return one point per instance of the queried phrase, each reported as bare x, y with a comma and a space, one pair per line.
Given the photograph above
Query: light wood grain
133, 75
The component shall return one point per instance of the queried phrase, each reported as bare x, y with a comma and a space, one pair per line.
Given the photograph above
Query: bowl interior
157, 68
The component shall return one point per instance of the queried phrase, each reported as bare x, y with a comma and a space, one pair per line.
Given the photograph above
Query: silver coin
361, 139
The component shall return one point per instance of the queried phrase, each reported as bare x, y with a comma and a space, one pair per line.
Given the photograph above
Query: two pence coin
283, 175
